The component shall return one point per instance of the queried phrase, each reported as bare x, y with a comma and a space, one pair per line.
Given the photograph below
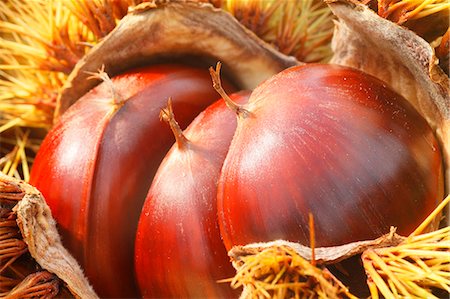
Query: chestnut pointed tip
217, 84
167, 115
117, 99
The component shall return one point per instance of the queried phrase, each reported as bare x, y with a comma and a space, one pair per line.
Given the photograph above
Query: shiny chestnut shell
96, 165
179, 251
334, 142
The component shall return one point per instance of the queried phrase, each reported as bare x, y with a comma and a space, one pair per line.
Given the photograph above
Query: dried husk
167, 30
38, 229
280, 272
413, 266
322, 255
259, 265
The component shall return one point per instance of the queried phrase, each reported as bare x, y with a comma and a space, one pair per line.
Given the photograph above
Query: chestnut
335, 142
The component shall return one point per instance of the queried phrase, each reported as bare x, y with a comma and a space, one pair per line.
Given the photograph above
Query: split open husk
169, 30
152, 32
164, 30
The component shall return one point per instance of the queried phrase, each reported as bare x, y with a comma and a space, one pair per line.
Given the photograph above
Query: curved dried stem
217, 84
116, 97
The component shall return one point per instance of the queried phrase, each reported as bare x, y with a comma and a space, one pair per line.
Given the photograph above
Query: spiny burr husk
362, 40
38, 236
167, 31
416, 266
429, 19
412, 269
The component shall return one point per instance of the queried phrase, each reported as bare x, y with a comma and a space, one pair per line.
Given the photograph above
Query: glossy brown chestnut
179, 251
331, 141
96, 165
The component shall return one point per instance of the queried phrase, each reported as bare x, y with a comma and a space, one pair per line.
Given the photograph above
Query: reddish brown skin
96, 165
334, 142
179, 252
